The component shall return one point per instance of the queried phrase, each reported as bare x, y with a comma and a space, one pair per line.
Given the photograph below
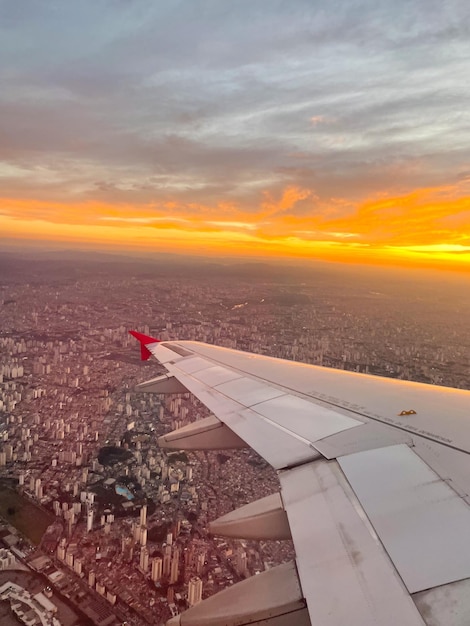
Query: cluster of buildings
127, 522
7, 559
30, 610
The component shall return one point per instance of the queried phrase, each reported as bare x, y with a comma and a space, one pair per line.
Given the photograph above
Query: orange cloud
423, 217
290, 197
427, 227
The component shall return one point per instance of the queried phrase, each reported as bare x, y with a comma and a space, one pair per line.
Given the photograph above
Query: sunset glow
428, 227
228, 147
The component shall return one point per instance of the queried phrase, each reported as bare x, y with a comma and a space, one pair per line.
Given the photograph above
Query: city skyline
272, 129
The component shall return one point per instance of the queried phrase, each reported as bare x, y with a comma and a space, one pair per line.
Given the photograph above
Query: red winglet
144, 340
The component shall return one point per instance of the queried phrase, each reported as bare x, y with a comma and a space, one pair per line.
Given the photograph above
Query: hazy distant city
102, 527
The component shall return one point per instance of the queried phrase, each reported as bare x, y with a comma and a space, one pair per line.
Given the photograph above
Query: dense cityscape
100, 525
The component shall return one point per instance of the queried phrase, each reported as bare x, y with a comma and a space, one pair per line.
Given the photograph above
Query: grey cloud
220, 95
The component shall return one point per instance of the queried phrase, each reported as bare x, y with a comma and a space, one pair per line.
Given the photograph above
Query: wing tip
144, 340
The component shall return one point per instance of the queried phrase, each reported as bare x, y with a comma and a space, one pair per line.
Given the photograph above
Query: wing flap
346, 576
307, 420
279, 446
248, 391
422, 522
367, 437
162, 384
449, 604
280, 426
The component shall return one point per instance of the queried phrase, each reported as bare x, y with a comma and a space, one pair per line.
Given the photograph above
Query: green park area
30, 520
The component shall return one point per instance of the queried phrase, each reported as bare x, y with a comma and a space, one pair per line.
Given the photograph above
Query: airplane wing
374, 476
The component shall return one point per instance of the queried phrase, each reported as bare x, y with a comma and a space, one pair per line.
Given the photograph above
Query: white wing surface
374, 477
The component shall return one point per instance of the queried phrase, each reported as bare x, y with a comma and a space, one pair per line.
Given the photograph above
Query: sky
321, 130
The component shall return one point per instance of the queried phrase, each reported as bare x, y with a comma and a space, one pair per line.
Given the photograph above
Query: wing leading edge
373, 478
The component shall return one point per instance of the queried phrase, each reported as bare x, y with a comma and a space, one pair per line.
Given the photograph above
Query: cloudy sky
336, 130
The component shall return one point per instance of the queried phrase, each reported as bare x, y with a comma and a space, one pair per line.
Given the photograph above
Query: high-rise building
143, 536
8, 449
200, 562
174, 569
194, 591
143, 515
241, 561
89, 520
166, 564
6, 559
157, 569
144, 559
127, 548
